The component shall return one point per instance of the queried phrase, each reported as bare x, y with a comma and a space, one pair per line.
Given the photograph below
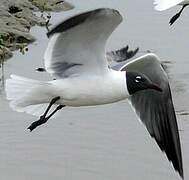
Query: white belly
94, 90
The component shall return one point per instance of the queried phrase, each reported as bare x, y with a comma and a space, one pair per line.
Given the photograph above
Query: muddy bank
18, 16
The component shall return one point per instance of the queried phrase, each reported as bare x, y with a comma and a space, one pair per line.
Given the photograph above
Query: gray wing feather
64, 67
156, 109
77, 45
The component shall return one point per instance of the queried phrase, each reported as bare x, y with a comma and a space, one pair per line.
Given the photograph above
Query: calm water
105, 142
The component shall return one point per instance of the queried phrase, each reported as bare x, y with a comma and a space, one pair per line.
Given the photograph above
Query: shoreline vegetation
17, 17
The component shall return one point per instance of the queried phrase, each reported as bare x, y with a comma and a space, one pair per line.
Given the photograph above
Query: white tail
28, 95
161, 5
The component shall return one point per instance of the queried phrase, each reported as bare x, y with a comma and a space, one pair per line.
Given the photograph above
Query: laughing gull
76, 56
162, 5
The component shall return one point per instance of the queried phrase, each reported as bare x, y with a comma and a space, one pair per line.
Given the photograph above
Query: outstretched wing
122, 54
77, 45
156, 110
161, 5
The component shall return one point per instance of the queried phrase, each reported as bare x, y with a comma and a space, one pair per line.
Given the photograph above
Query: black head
137, 81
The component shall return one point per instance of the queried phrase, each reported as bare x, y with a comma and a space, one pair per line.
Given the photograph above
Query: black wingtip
78, 19
173, 19
176, 16
30, 129
69, 23
40, 69
73, 21
125, 54
180, 172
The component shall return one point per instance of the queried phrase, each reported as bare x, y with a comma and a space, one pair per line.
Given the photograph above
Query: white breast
93, 90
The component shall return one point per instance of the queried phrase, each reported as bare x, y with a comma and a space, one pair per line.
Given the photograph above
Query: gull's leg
176, 16
43, 119
50, 115
50, 105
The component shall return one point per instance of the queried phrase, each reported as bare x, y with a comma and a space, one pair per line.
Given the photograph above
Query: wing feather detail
156, 109
81, 41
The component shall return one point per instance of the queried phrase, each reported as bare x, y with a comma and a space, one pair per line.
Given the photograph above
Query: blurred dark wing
156, 109
122, 54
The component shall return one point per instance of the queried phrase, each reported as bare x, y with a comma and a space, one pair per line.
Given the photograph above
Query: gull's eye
138, 79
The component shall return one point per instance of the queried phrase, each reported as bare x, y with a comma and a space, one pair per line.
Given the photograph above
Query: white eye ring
138, 77
136, 80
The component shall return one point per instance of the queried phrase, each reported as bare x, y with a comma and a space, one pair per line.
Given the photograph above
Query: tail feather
18, 87
28, 95
39, 109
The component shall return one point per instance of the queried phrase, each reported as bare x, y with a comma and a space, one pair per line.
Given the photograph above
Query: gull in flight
76, 57
162, 5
